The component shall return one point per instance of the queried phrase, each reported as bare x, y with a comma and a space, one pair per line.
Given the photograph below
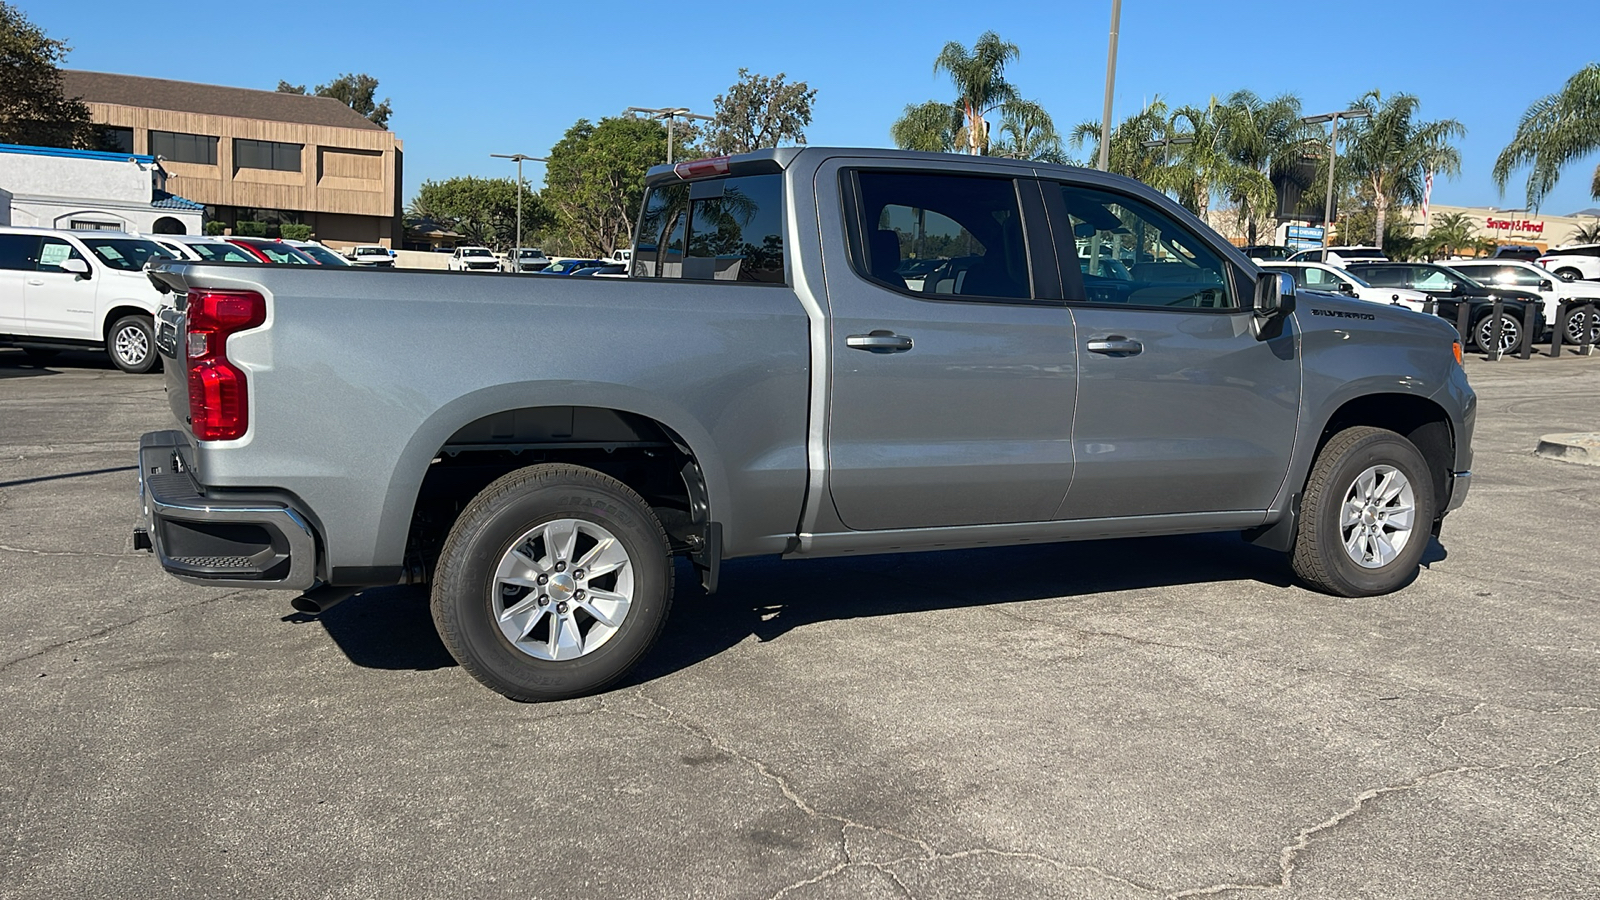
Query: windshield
1359, 252
222, 253
324, 255
371, 251
476, 251
1464, 280
530, 254
127, 254
282, 254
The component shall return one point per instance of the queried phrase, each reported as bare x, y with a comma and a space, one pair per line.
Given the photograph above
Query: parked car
1337, 256
608, 270
203, 247
618, 423
1525, 276
568, 266
1315, 276
370, 255
273, 250
321, 254
1265, 252
622, 255
1515, 251
64, 289
473, 259
1450, 289
1573, 262
526, 259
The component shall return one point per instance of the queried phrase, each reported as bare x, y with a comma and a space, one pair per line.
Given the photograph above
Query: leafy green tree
1128, 155
1206, 166
758, 112
1450, 233
1268, 137
482, 209
1387, 156
1027, 132
355, 91
594, 182
34, 107
930, 127
981, 87
1556, 130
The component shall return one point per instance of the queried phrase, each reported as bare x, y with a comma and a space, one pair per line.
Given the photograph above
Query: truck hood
1320, 310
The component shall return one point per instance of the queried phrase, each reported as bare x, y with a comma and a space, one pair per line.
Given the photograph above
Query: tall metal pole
1111, 81
670, 114
519, 157
1327, 207
669, 139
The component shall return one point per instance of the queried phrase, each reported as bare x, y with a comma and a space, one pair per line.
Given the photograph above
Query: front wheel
554, 582
1510, 333
1365, 516
131, 344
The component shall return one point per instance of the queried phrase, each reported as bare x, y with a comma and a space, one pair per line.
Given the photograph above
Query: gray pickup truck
819, 352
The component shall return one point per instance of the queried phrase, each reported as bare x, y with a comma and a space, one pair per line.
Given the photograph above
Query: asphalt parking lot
1145, 718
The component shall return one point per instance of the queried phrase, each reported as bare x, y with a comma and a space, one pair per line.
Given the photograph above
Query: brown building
257, 156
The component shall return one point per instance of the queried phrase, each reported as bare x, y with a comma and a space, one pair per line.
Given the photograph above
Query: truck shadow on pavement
392, 628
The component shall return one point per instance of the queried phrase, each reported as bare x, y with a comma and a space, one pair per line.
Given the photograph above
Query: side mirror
1455, 289
1274, 295
1347, 288
76, 266
1547, 285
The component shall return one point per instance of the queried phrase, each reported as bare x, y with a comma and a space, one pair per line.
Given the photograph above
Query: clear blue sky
468, 79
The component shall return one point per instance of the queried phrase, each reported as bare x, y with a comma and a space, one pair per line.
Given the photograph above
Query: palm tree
1450, 232
928, 126
1129, 156
1206, 166
1028, 132
1555, 130
1586, 234
1388, 154
1267, 136
981, 87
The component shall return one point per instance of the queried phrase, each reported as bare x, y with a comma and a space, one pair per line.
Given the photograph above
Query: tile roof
211, 99
165, 200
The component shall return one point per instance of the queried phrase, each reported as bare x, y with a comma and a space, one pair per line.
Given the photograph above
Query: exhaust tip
319, 600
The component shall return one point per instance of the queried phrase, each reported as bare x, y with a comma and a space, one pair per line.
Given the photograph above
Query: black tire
496, 522
40, 355
131, 344
1510, 334
1573, 335
1320, 557
1567, 273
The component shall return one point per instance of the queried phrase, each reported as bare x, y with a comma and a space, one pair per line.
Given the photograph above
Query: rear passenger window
730, 229
18, 251
1132, 253
942, 235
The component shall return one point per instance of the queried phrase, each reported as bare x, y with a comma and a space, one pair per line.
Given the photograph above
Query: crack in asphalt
1287, 855
1445, 721
132, 554
929, 852
9, 664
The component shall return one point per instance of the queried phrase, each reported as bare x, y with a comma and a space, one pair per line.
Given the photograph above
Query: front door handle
1115, 345
36, 281
879, 342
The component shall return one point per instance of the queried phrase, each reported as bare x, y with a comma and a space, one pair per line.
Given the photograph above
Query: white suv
1315, 276
79, 289
1338, 256
1574, 262
1525, 276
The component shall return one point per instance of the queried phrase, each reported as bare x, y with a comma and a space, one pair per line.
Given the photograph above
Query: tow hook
141, 540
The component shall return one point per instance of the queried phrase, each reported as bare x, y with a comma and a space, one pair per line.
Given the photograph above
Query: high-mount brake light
219, 404
701, 168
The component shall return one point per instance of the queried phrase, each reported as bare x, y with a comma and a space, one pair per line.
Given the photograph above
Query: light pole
1333, 157
516, 264
1111, 80
669, 113
1166, 146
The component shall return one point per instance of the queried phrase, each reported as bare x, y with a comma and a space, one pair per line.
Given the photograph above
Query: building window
186, 148
116, 140
273, 155
91, 225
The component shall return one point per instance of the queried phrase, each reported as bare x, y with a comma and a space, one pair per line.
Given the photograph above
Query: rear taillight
219, 405
1546, 261
701, 168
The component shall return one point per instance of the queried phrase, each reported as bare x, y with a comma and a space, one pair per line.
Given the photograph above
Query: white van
79, 289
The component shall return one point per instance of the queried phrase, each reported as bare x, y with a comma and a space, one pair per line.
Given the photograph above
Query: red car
271, 250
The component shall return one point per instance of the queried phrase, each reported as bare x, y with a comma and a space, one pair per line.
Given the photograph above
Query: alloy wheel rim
1509, 333
562, 589
133, 345
1378, 516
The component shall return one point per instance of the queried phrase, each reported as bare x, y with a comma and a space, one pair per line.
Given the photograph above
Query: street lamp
1333, 157
1111, 80
1166, 145
516, 265
669, 113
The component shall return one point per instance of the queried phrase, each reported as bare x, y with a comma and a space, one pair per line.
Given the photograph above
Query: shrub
295, 232
250, 229
215, 229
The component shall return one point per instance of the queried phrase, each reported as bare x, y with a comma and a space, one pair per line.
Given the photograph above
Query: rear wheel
1567, 273
1365, 515
554, 582
1510, 333
1573, 334
131, 344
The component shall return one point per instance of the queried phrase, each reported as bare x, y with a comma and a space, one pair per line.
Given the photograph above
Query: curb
1582, 448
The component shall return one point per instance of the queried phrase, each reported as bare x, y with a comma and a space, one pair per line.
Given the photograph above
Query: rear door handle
1115, 345
879, 342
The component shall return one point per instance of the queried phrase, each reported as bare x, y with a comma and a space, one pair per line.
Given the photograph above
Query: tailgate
170, 341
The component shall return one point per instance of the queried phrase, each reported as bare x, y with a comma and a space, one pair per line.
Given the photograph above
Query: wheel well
638, 451
1417, 419
118, 312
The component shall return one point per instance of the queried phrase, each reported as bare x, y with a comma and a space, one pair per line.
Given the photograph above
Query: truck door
951, 351
59, 303
1181, 409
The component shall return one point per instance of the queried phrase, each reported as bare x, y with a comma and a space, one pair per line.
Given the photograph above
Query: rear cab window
716, 229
